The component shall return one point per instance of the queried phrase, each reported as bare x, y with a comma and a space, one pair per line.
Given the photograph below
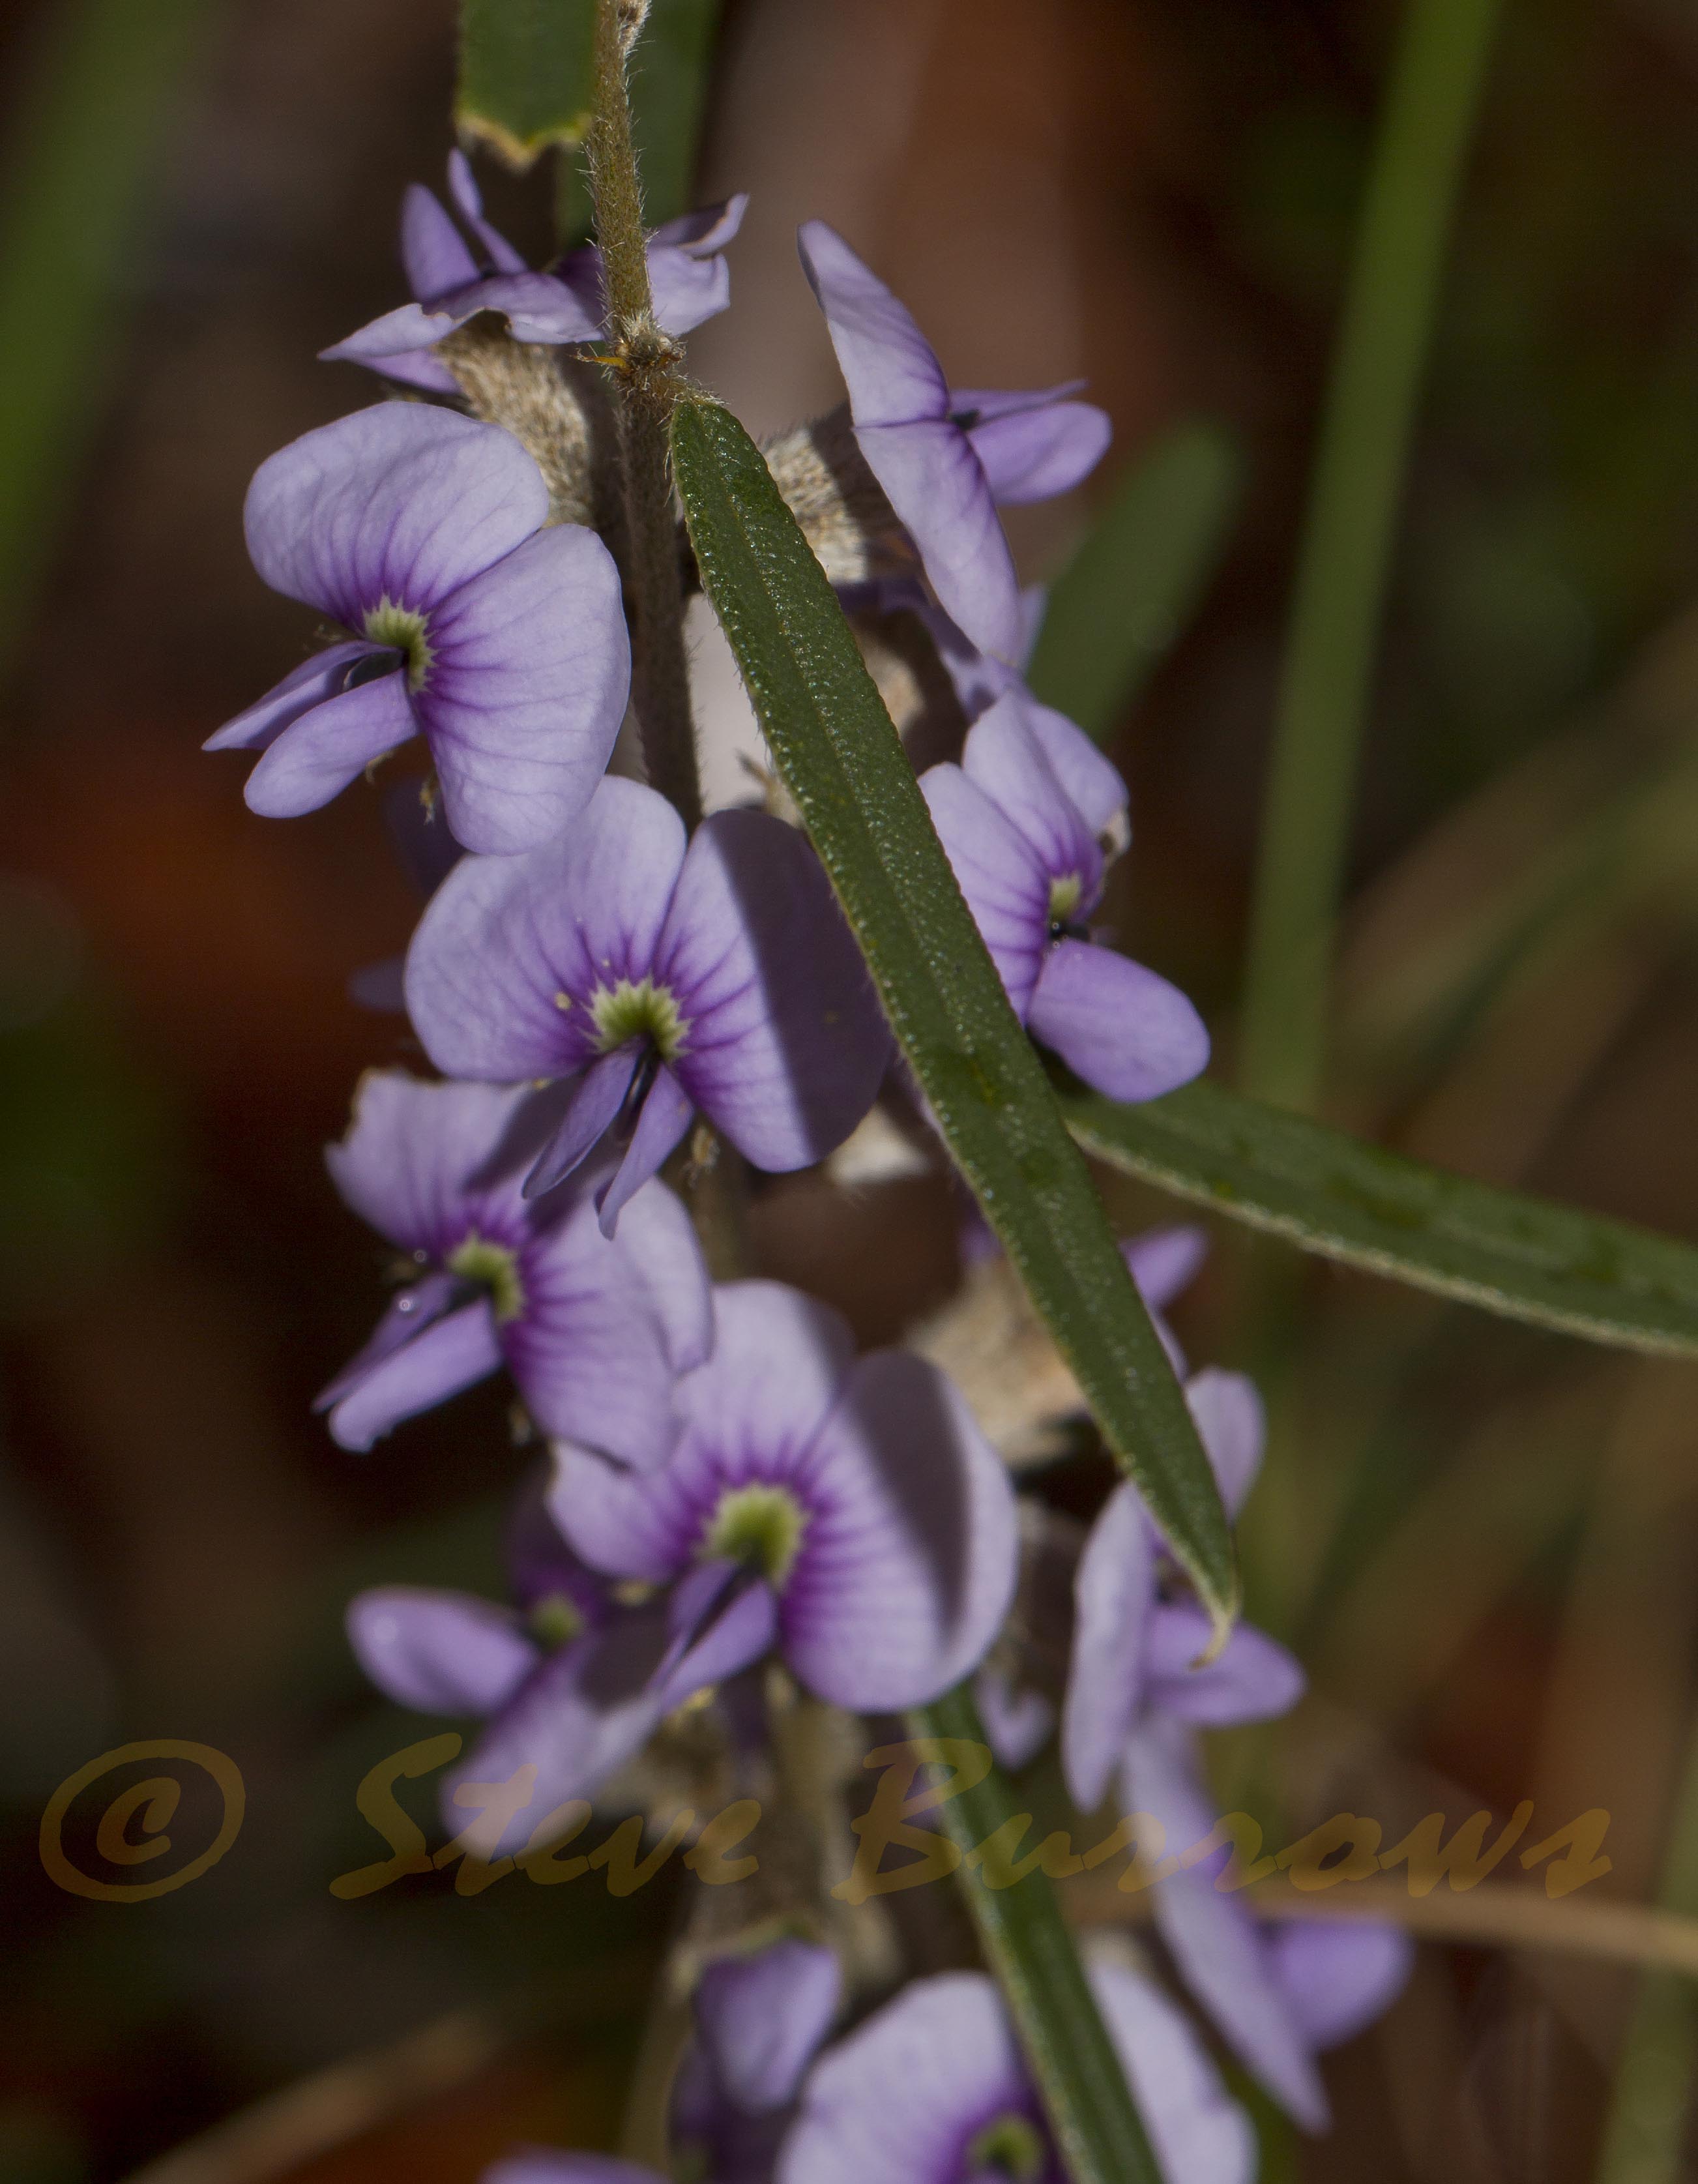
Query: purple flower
849, 1511
932, 2090
659, 979
1024, 818
503, 643
1133, 1705
945, 459
591, 1330
457, 270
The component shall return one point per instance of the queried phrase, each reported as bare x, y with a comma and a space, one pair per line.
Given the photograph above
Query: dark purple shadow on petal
596, 1099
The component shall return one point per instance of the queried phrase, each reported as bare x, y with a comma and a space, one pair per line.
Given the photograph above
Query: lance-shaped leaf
842, 760
526, 74
1330, 1193
1137, 578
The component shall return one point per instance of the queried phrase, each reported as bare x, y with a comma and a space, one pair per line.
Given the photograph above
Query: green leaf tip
526, 76
844, 763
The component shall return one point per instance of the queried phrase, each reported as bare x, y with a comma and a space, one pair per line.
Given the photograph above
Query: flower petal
1339, 1976
932, 479
591, 1112
451, 1355
687, 289
887, 364
540, 1565
1199, 2133
1017, 1719
1252, 1678
753, 1410
316, 756
722, 1618
468, 204
402, 501
664, 1114
505, 936
658, 1237
895, 2102
702, 232
434, 255
440, 1652
1114, 1591
537, 306
1005, 886
1005, 758
1033, 454
1233, 1427
416, 1155
1213, 1940
907, 1564
1126, 1032
1164, 1261
1093, 783
310, 684
417, 1307
761, 2018
392, 340
786, 1044
530, 670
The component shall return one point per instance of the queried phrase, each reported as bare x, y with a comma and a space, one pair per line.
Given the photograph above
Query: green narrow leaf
526, 74
1329, 1193
1125, 598
844, 763
1026, 1945
669, 90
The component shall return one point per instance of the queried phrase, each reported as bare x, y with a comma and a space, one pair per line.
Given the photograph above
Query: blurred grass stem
1436, 81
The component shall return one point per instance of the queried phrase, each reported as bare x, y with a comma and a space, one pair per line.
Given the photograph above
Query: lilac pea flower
1022, 819
848, 1512
501, 643
943, 459
932, 2090
659, 979
591, 1330
457, 270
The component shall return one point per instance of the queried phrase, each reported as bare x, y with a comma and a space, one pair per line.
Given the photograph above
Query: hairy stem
645, 363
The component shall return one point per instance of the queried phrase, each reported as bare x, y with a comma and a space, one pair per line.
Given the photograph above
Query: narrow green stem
1645, 2134
1436, 77
1026, 1945
645, 362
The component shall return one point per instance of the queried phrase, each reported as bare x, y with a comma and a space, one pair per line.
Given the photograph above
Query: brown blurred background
1485, 1542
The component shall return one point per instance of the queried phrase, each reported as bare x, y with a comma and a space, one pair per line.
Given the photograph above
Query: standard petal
1006, 889
700, 233
310, 684
1253, 1678
1339, 1976
589, 1352
932, 479
1200, 2134
895, 2103
662, 1119
888, 365
506, 938
1233, 1427
317, 756
786, 1044
584, 1711
907, 1564
403, 502
1094, 783
469, 203
1126, 1031
1114, 1591
415, 1152
1005, 758
687, 289
761, 2018
441, 1653
434, 255
396, 338
530, 670
1033, 454
658, 1238
454, 1354
753, 1410
1213, 1939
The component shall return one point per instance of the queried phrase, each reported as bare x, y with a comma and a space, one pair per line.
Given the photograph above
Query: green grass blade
1329, 1193
92, 118
1127, 595
526, 74
842, 762
1028, 1947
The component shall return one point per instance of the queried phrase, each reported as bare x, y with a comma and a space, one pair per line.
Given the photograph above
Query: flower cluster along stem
644, 364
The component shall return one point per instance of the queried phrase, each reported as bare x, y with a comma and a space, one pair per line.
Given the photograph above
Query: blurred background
1482, 1540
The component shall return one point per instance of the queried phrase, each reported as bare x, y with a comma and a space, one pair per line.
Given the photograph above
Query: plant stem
1026, 1945
645, 362
1645, 2134
1412, 188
